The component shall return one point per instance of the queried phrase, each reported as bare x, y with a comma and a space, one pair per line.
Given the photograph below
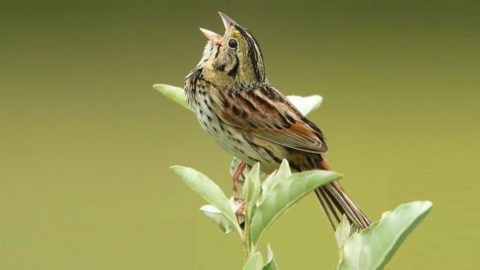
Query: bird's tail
335, 203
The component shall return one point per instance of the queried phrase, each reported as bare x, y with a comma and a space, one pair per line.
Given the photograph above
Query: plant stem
245, 250
246, 233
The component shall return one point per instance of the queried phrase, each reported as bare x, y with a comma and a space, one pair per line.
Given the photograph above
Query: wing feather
265, 113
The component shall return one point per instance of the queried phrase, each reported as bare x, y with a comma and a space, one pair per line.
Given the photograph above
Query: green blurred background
86, 142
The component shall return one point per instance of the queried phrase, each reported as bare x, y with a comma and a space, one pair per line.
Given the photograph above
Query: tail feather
322, 198
334, 201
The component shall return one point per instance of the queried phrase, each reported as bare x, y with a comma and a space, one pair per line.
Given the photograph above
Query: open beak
214, 37
227, 21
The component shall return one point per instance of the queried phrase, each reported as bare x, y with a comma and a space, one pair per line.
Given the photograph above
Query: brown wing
264, 112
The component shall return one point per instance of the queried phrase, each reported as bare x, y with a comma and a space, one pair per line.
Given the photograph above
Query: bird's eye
232, 43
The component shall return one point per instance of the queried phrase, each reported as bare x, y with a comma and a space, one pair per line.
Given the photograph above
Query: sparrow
253, 121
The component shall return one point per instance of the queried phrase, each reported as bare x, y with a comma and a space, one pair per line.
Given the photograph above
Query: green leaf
216, 216
276, 177
306, 104
271, 263
374, 247
283, 195
255, 262
174, 93
209, 191
251, 188
342, 232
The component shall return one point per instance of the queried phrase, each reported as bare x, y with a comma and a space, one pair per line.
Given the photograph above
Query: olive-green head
234, 59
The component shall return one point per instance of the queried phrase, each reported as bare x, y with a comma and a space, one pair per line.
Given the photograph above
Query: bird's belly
238, 143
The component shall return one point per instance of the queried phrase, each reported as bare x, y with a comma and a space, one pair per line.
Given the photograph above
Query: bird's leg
237, 174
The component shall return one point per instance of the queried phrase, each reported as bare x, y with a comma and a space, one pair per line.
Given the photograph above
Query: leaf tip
158, 86
427, 204
333, 174
177, 168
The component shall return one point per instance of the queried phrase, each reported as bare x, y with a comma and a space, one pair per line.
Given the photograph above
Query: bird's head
234, 59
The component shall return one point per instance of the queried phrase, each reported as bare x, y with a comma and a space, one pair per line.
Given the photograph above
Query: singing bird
236, 105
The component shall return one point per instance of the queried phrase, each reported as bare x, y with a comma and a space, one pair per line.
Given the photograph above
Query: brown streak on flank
274, 94
227, 117
268, 93
209, 107
244, 114
219, 119
272, 110
261, 100
236, 110
248, 103
211, 101
283, 119
226, 104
